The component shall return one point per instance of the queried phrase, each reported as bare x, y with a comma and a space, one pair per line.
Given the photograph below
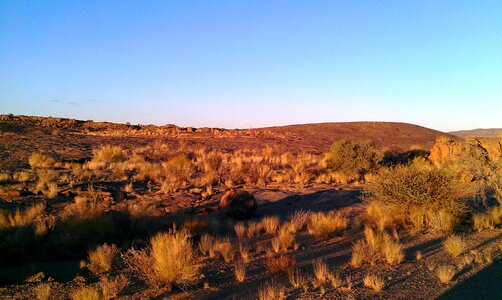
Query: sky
246, 64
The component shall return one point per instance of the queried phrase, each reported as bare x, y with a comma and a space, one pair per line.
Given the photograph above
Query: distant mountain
480, 132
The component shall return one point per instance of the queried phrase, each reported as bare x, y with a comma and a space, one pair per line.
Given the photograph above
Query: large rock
238, 204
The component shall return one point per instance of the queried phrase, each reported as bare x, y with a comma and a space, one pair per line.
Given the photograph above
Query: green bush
353, 158
427, 198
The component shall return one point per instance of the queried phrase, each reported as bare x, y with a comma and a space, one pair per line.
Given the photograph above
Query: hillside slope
480, 132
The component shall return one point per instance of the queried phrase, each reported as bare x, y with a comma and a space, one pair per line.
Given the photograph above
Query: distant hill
386, 135
480, 132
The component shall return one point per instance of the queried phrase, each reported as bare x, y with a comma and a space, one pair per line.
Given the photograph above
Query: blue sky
254, 63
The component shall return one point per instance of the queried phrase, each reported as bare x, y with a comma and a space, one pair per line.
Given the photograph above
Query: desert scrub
352, 158
427, 199
87, 293
374, 282
270, 224
170, 260
321, 224
377, 246
40, 160
454, 245
445, 273
489, 219
272, 291
101, 259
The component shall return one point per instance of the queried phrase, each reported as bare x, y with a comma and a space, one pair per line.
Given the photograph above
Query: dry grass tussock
240, 272
280, 265
40, 160
377, 246
489, 219
43, 291
373, 281
427, 199
445, 273
112, 287
87, 293
170, 260
270, 224
324, 224
101, 259
272, 291
454, 245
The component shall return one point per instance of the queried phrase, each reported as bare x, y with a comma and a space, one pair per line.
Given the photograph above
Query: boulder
238, 204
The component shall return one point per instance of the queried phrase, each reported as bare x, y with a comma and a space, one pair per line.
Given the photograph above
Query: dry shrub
240, 272
87, 293
489, 219
225, 248
382, 216
270, 224
276, 244
321, 224
240, 230
296, 278
112, 287
373, 281
45, 178
253, 229
170, 259
272, 291
40, 160
352, 158
244, 252
454, 245
101, 259
21, 218
4, 176
428, 199
22, 176
106, 155
43, 291
280, 265
321, 271
299, 219
206, 243
445, 273
377, 246
286, 238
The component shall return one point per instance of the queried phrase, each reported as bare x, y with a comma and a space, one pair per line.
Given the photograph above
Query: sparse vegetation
272, 291
101, 258
321, 224
445, 273
454, 245
374, 282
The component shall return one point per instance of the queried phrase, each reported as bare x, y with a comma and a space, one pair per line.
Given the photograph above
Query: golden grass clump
321, 224
454, 245
445, 273
272, 291
22, 218
170, 259
270, 224
240, 272
253, 229
489, 219
40, 160
244, 252
101, 259
240, 230
225, 248
206, 243
276, 244
112, 287
87, 293
373, 281
43, 291
105, 155
296, 278
321, 271
377, 246
286, 238
280, 265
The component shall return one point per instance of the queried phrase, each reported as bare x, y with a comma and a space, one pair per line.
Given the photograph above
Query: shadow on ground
486, 284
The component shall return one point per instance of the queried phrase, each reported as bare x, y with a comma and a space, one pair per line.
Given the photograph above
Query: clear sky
254, 63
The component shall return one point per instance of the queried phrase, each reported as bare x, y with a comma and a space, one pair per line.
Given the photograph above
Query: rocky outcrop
446, 149
238, 204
